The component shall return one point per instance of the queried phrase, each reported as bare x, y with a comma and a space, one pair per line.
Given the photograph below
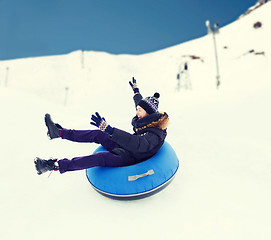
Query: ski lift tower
183, 77
214, 30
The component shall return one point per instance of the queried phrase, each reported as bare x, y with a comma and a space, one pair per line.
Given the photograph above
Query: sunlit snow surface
222, 138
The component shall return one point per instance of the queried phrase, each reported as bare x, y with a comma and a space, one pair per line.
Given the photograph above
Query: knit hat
150, 104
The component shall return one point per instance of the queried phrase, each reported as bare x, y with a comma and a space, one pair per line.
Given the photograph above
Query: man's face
140, 112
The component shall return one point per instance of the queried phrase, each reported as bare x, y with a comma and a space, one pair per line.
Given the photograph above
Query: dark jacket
149, 135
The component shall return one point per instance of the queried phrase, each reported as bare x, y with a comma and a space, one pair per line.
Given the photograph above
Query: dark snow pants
105, 159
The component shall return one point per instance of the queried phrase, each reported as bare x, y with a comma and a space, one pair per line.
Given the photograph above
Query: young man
124, 148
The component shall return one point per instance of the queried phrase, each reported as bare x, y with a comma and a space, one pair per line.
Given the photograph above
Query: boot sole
51, 133
36, 163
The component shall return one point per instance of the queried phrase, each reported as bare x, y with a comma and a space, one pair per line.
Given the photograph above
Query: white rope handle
135, 177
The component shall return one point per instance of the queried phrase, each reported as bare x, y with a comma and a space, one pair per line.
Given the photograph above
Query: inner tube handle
135, 177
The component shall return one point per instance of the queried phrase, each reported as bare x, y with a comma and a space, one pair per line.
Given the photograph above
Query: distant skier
124, 148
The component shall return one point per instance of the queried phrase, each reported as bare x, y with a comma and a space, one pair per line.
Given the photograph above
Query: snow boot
54, 129
43, 166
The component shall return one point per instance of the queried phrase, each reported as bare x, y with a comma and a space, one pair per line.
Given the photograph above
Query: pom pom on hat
150, 104
156, 95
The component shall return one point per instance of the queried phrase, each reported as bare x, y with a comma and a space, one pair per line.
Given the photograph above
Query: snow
221, 136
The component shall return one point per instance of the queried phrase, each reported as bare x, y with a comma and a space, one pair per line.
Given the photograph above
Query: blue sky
32, 28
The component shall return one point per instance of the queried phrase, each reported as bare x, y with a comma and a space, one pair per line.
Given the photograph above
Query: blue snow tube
135, 181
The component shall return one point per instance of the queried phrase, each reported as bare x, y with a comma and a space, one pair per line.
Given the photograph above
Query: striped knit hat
150, 104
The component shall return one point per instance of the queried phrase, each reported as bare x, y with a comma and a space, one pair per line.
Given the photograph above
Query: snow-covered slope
222, 137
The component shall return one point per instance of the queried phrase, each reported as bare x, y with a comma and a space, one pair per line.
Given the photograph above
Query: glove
134, 86
100, 122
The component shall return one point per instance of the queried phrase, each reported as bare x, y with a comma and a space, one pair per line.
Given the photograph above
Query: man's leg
104, 159
89, 136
